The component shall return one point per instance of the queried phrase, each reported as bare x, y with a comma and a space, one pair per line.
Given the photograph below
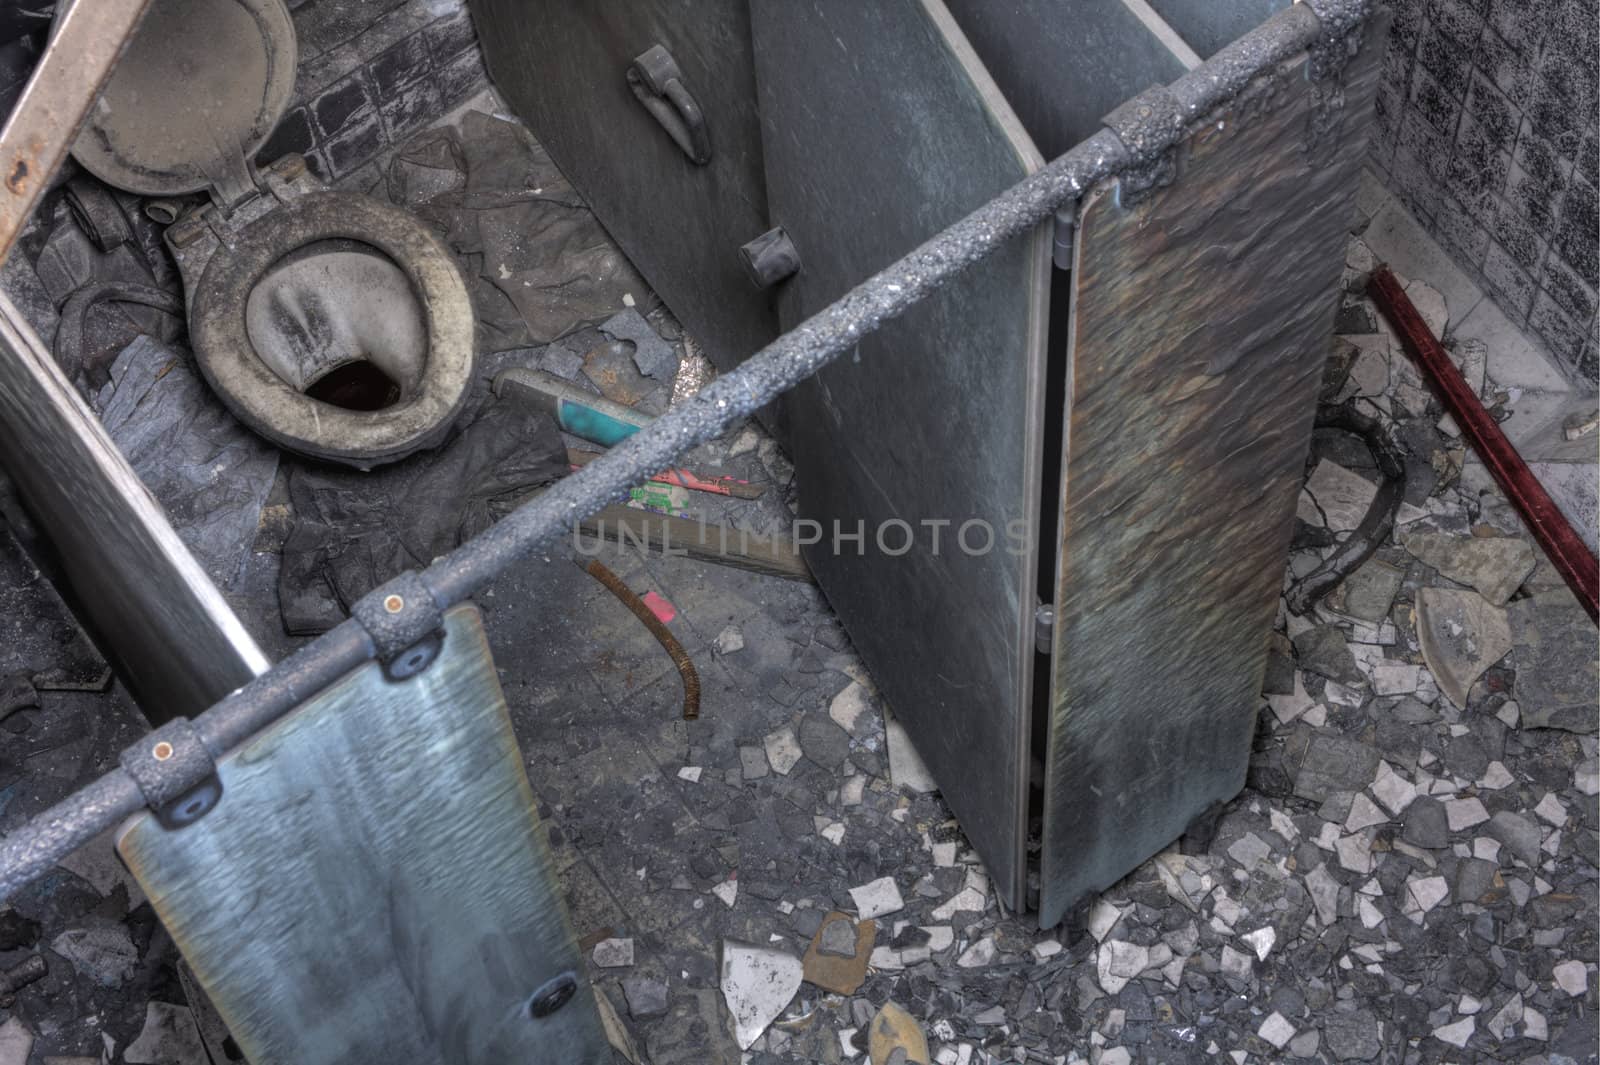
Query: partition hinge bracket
176, 773
405, 624
1149, 126
1066, 228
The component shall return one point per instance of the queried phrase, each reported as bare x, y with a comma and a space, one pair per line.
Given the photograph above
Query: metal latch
657, 83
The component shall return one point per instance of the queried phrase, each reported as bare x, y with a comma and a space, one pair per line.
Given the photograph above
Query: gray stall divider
1200, 323
376, 887
939, 420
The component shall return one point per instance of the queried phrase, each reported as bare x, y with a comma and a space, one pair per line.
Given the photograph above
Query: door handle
657, 83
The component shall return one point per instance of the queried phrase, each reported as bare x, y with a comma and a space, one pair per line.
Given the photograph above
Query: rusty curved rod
691, 679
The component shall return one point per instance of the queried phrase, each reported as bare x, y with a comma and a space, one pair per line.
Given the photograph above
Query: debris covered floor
1410, 875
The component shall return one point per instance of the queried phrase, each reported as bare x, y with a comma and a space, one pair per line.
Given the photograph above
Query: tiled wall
370, 73
1487, 133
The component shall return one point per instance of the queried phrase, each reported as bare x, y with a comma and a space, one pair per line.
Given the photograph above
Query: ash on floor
1408, 877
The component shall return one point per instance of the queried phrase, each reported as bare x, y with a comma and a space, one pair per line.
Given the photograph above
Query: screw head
161, 751
394, 604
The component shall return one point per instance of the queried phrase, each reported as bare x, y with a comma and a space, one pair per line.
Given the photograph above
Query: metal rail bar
85, 45
802, 351
1560, 541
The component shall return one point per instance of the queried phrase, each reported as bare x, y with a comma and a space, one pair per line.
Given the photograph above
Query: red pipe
1567, 551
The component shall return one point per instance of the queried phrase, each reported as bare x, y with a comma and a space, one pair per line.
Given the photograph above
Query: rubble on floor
1409, 875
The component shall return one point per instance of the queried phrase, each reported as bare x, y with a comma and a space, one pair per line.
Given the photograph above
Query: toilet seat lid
199, 90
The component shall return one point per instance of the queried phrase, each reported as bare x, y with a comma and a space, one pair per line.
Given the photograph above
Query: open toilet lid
199, 90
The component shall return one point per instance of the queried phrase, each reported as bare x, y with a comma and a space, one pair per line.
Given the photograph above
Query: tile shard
758, 983
877, 897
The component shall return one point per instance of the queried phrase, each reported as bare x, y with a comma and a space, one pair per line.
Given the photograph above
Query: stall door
1201, 317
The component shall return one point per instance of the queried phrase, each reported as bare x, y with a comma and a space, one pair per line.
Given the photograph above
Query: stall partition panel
1201, 318
880, 128
375, 887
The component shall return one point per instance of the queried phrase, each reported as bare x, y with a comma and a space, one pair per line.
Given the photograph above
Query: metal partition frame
1200, 316
150, 607
398, 622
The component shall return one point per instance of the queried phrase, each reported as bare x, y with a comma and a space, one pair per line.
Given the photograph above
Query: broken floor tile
16, 1043
852, 791
1117, 962
1261, 941
753, 764
837, 958
1393, 791
1557, 675
1495, 777
1354, 1036
727, 891
1249, 850
169, 1037
1335, 497
1572, 976
823, 742
1276, 1030
1426, 824
758, 983
1236, 964
646, 996
1288, 707
1551, 810
967, 900
1324, 892
980, 954
613, 953
1364, 813
1458, 1033
783, 750
906, 769
1462, 814
1495, 566
879, 897
1461, 635
1515, 832
895, 1038
851, 709
1103, 917
1355, 853
1323, 650
1334, 764
1426, 893
103, 952
728, 641
653, 356
1394, 678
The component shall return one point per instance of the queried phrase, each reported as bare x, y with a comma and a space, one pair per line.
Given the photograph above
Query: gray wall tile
1486, 131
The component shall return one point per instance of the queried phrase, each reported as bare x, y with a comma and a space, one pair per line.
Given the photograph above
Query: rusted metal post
1568, 553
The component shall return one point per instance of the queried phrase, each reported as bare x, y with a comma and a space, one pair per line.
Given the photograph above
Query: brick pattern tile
379, 80
1486, 131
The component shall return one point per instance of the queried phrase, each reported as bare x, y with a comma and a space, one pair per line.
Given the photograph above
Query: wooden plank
1201, 319
880, 127
703, 541
374, 886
